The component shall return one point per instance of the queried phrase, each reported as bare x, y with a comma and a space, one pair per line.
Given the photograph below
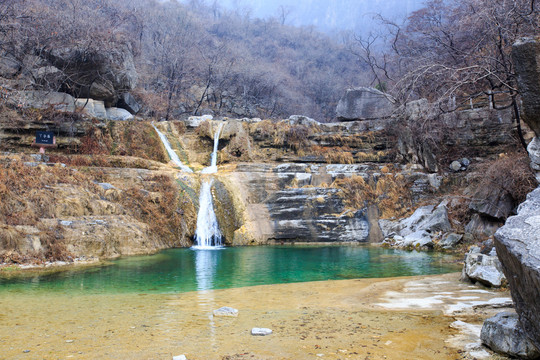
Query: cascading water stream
207, 234
212, 169
174, 157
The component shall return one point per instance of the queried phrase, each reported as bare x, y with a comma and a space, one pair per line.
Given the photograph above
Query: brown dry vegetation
390, 193
27, 195
282, 134
334, 155
510, 173
127, 138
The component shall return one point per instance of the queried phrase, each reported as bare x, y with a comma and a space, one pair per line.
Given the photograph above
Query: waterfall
174, 157
207, 234
212, 169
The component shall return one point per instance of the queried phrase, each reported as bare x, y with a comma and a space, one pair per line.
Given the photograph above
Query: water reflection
181, 270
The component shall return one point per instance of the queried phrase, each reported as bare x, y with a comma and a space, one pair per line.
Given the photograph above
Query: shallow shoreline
328, 319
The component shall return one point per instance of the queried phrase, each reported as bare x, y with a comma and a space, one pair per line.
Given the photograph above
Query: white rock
179, 357
260, 331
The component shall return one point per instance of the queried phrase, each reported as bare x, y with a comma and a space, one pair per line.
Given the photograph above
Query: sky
327, 15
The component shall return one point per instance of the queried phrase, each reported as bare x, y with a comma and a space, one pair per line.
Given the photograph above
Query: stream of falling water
207, 234
174, 157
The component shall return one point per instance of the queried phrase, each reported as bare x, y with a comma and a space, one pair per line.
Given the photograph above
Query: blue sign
45, 137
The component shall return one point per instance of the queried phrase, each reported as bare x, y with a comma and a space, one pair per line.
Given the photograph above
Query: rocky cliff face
518, 247
518, 241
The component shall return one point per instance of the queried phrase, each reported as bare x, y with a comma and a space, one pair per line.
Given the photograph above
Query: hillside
179, 60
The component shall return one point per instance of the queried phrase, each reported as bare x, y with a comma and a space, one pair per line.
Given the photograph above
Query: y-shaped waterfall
174, 157
207, 235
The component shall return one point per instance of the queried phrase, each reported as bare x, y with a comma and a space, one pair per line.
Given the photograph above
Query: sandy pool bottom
350, 319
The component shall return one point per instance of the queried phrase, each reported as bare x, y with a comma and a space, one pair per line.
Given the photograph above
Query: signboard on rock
44, 138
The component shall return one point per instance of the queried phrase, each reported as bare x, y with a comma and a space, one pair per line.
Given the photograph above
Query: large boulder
526, 55
518, 248
97, 74
492, 201
483, 268
503, 334
364, 104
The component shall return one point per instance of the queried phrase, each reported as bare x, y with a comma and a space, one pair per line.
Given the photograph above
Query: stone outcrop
518, 248
525, 53
503, 334
100, 74
477, 131
494, 202
280, 207
364, 104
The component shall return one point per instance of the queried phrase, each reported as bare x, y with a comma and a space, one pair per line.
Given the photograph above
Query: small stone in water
260, 331
226, 311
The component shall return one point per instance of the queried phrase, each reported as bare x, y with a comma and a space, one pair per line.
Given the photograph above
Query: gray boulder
117, 114
450, 241
518, 247
94, 108
503, 334
426, 218
492, 201
194, 121
364, 104
43, 99
302, 120
525, 53
483, 268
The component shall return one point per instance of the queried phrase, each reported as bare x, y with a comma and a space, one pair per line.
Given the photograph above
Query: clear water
182, 270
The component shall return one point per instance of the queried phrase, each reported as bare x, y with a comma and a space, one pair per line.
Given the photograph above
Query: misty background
326, 15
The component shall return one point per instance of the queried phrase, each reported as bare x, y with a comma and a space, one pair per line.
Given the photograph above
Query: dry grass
510, 173
334, 155
282, 134
390, 193
165, 206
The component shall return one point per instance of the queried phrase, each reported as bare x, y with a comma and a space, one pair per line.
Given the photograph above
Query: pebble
26, 351
69, 341
226, 311
179, 357
260, 331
